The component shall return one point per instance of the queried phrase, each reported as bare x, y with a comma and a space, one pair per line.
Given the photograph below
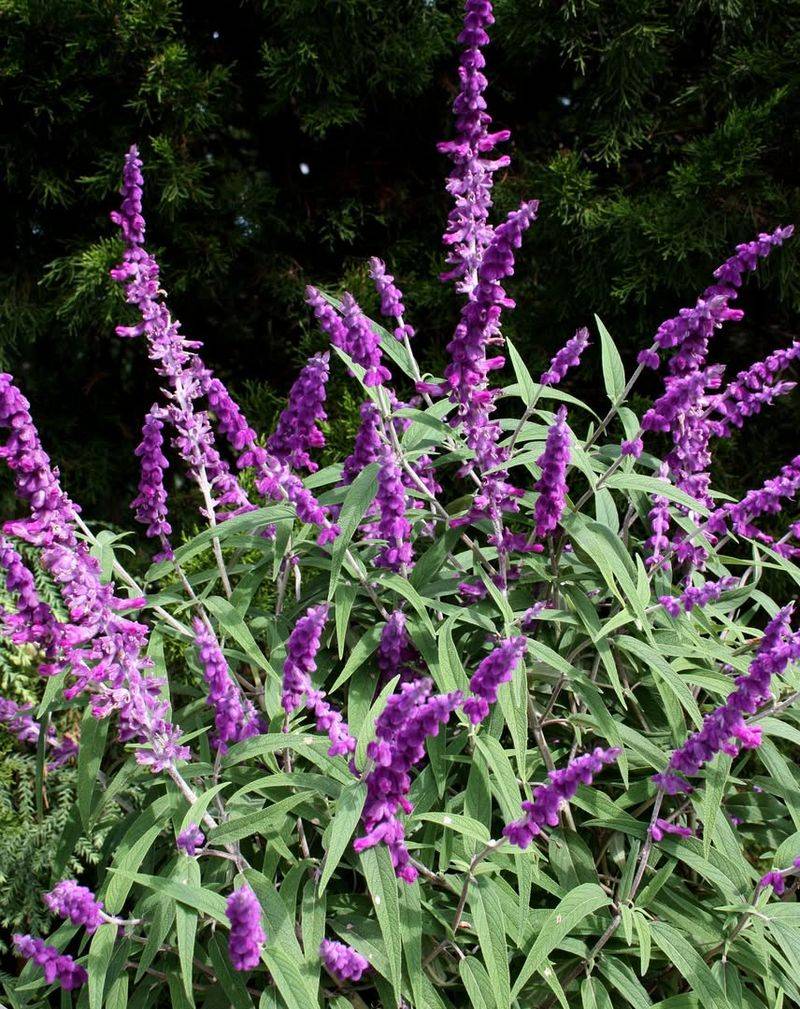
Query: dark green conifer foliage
656, 135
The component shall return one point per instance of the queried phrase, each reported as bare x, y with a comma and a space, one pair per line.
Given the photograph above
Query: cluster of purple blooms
246, 936
105, 652
726, 729
234, 716
17, 720
409, 718
548, 800
301, 651
342, 962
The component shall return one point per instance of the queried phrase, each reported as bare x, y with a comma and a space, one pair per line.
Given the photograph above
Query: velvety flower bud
396, 655
498, 667
78, 903
343, 962
58, 967
661, 827
568, 357
391, 297
698, 595
363, 343
776, 880
151, 503
191, 840
392, 526
300, 663
548, 800
552, 484
234, 717
297, 432
725, 729
410, 716
246, 935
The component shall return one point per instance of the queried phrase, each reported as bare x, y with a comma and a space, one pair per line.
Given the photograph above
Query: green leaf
187, 871
613, 369
93, 740
360, 494
477, 983
488, 920
464, 825
680, 952
580, 902
346, 815
230, 981
264, 821
101, 950
713, 793
528, 388
382, 884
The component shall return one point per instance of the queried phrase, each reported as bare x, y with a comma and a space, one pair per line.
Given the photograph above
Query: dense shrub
495, 711
656, 135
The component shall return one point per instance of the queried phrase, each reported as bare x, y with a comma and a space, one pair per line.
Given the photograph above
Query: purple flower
548, 800
104, 652
396, 655
498, 667
633, 448
659, 518
234, 717
776, 879
329, 319
151, 502
552, 484
754, 388
698, 595
187, 381
297, 430
391, 297
765, 500
392, 525
367, 444
725, 728
246, 936
661, 827
78, 903
341, 961
692, 328
362, 343
300, 663
568, 357
58, 967
191, 839
470, 182
410, 716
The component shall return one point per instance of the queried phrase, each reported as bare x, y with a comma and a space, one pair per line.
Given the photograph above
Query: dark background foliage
656, 135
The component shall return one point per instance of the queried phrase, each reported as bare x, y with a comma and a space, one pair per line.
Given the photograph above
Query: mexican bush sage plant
495, 711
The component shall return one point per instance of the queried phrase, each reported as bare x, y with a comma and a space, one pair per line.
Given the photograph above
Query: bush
496, 711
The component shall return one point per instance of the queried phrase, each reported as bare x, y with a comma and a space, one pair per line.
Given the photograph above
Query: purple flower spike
698, 595
470, 183
234, 718
58, 967
246, 936
151, 502
498, 667
341, 961
78, 903
548, 800
103, 651
297, 430
662, 827
410, 716
396, 655
725, 729
765, 500
191, 840
552, 485
392, 526
362, 343
568, 357
300, 663
391, 297
329, 319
